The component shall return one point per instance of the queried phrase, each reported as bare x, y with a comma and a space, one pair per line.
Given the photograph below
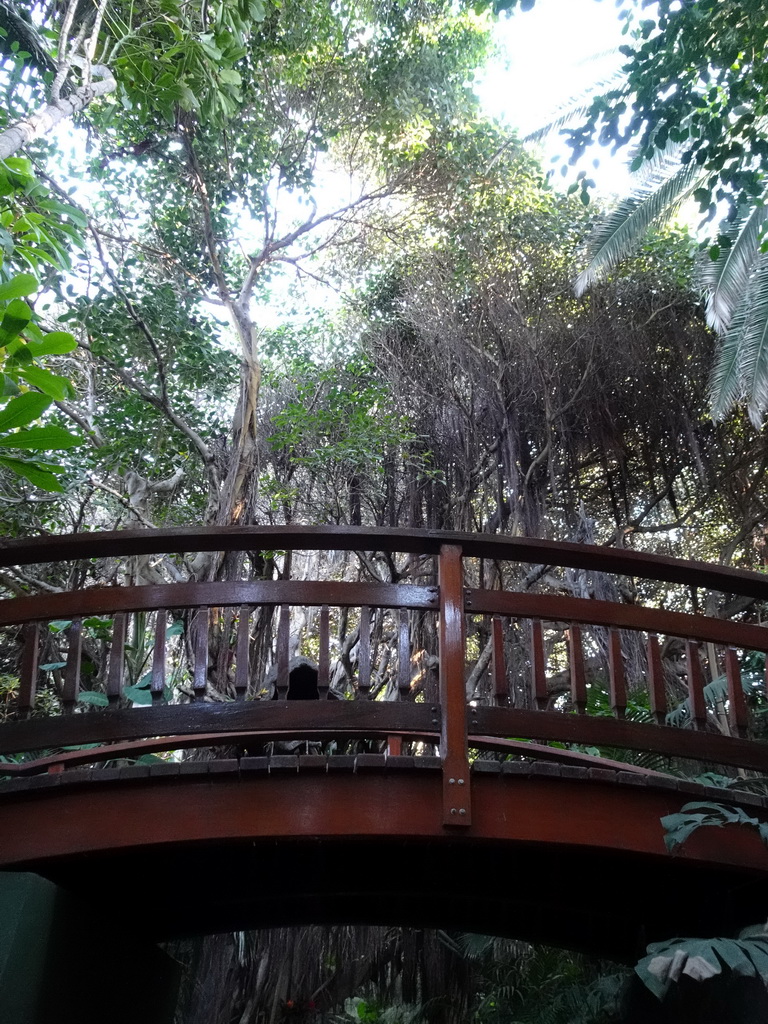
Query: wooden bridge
512, 809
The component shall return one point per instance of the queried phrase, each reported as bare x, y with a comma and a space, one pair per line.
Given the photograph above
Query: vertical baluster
618, 683
364, 654
453, 695
72, 669
498, 668
283, 637
157, 686
324, 657
116, 659
695, 685
403, 656
737, 705
394, 746
29, 667
578, 676
657, 686
540, 694
200, 676
243, 652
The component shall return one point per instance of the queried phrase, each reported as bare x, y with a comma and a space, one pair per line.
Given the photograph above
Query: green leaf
17, 316
57, 343
98, 700
41, 439
21, 284
59, 388
75, 215
23, 410
137, 695
230, 77
59, 625
52, 666
41, 478
94, 622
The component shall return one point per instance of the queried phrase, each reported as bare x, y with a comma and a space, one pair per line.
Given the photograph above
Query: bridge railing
513, 697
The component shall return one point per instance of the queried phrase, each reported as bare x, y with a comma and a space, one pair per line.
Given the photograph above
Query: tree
692, 105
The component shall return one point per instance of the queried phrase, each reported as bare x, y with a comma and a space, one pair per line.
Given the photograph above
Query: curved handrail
104, 544
108, 600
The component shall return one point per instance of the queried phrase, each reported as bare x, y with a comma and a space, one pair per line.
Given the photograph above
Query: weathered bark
25, 131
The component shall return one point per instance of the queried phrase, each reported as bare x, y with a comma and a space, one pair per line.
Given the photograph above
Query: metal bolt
434, 711
451, 781
453, 810
461, 782
462, 811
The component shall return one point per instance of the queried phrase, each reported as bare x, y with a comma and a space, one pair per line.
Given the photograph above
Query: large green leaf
23, 410
49, 383
41, 439
41, 478
700, 959
19, 285
57, 343
16, 317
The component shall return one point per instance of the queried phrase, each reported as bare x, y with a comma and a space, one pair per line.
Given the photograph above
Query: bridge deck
559, 853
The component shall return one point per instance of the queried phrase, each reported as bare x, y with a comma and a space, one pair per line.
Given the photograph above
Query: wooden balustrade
510, 704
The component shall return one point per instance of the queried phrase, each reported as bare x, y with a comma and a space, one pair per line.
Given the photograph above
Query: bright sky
548, 57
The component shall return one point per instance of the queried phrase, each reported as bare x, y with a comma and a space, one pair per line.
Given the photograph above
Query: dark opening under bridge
458, 812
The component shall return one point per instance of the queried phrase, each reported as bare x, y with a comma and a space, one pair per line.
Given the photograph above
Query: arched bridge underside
558, 853
491, 652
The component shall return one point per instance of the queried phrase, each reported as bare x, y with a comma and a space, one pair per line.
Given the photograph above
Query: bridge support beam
61, 961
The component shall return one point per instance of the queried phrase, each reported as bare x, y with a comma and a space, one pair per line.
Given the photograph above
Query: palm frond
561, 118
727, 278
657, 197
576, 108
742, 366
725, 386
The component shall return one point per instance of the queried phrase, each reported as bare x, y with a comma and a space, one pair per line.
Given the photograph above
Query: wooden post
364, 653
538, 662
200, 675
578, 675
242, 656
617, 680
403, 656
453, 700
501, 693
283, 637
737, 705
157, 686
696, 700
657, 687
29, 669
72, 671
324, 655
116, 659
